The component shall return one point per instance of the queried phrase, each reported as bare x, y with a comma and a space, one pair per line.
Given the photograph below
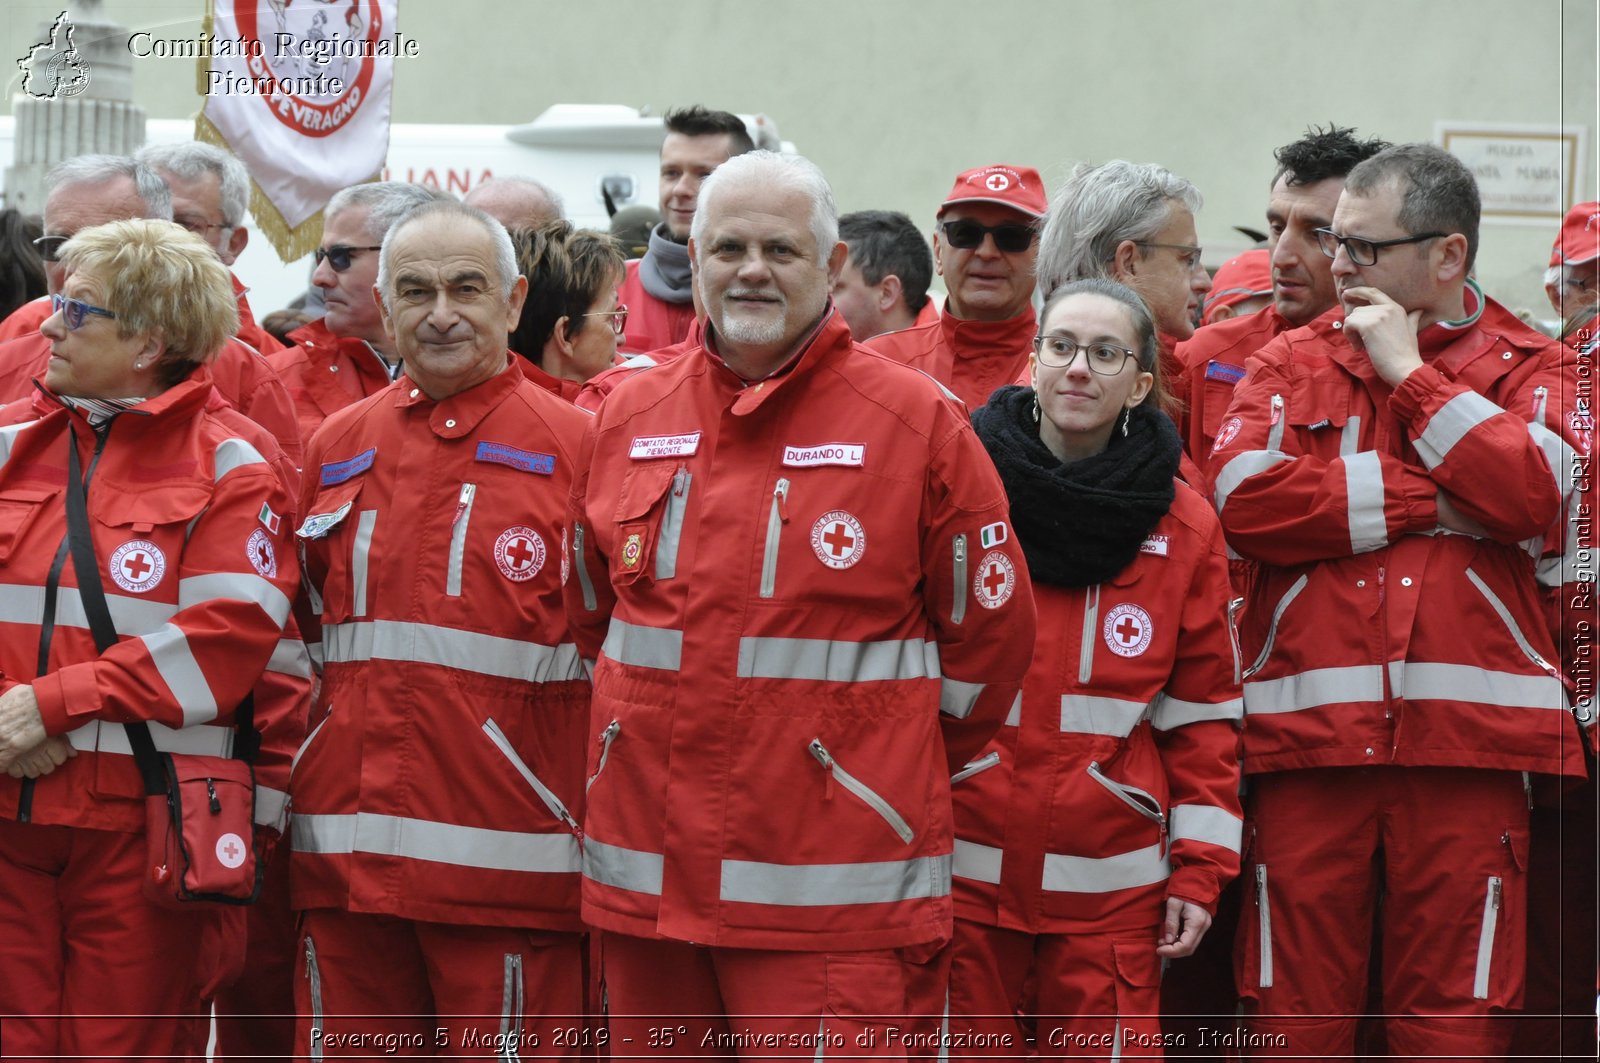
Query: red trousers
674, 999
1449, 849
1090, 996
88, 968
371, 985
255, 1012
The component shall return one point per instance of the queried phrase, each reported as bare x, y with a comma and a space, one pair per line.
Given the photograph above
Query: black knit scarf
1081, 523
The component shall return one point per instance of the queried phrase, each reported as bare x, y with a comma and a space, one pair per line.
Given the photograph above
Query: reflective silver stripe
837, 662
21, 604
1491, 919
8, 436
979, 863
204, 740
234, 453
1560, 456
174, 661
957, 698
623, 869
644, 647
1087, 874
1350, 437
511, 1008
821, 885
1244, 465
314, 976
1208, 824
360, 551
289, 657
1314, 687
1363, 498
1454, 420
1272, 629
314, 651
447, 647
1417, 681
1090, 715
672, 525
1510, 622
271, 806
441, 843
585, 584
458, 539
1264, 916
1014, 717
1171, 713
639, 361
234, 587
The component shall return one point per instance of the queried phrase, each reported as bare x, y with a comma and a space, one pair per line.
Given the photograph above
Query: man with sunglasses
344, 356
984, 242
1391, 467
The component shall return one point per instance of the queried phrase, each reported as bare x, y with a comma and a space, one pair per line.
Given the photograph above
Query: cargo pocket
19, 508
641, 508
1138, 991
868, 987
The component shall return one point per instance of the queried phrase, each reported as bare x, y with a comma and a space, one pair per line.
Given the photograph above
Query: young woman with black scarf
1094, 834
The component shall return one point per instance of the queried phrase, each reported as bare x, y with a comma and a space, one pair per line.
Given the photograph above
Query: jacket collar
185, 398
460, 414
827, 342
999, 340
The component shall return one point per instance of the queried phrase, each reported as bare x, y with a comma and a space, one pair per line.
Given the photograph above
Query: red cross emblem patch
230, 851
520, 553
259, 550
996, 579
137, 565
997, 182
1127, 630
838, 539
1227, 433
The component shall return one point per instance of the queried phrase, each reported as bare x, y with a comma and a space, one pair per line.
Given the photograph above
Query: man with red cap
1242, 285
1573, 280
985, 240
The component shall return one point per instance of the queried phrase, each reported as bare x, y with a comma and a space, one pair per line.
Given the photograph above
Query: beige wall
893, 97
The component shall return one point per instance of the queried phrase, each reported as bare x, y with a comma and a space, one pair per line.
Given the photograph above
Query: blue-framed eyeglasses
75, 311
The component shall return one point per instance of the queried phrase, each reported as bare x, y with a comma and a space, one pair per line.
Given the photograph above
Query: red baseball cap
1579, 241
1017, 187
1241, 277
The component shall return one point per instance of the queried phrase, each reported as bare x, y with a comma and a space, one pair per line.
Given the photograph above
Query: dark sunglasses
339, 255
50, 246
964, 234
75, 311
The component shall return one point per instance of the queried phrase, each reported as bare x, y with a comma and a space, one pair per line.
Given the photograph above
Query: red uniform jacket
597, 387
325, 373
971, 358
652, 323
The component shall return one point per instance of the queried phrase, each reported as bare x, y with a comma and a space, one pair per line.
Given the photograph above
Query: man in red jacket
884, 284
1391, 468
791, 565
984, 242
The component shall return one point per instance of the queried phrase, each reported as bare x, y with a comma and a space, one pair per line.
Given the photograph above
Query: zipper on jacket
1527, 791
1091, 621
1235, 606
775, 522
1264, 914
578, 566
958, 564
551, 801
1272, 629
607, 736
458, 539
511, 1006
1139, 800
1541, 396
860, 789
1278, 417
975, 767
314, 976
1491, 919
1511, 625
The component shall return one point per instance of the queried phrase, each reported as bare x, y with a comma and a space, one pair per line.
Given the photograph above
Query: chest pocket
649, 520
335, 539
1319, 407
19, 510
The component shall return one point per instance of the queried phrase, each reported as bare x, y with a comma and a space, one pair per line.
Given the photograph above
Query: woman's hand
1186, 924
42, 760
21, 727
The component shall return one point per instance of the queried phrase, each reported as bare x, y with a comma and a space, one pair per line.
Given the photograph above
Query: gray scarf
664, 269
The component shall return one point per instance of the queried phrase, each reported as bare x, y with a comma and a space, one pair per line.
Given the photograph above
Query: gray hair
98, 169
519, 181
386, 202
768, 169
1097, 209
1438, 192
1144, 325
505, 256
195, 159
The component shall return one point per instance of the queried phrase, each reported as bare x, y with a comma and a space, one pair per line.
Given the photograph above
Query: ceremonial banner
300, 91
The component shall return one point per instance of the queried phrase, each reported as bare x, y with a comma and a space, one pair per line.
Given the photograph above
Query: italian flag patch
991, 535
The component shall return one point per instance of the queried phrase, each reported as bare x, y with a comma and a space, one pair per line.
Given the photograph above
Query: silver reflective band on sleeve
822, 885
1207, 823
1089, 715
1350, 437
440, 843
1454, 420
447, 647
360, 552
1087, 874
1363, 497
643, 647
1418, 681
1014, 717
234, 453
977, 863
1560, 456
1171, 713
672, 525
235, 587
314, 651
624, 869
289, 657
169, 651
270, 807
202, 741
1243, 466
21, 604
957, 698
837, 662
1314, 687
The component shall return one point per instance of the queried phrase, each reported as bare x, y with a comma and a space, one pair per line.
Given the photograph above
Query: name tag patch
647, 447
1225, 372
825, 454
526, 460
337, 472
1155, 544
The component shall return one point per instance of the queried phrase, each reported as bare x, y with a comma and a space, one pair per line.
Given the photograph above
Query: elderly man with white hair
792, 568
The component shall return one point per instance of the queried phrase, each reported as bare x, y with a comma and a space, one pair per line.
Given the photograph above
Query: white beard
756, 332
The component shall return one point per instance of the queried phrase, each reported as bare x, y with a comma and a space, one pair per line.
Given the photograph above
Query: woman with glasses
188, 530
571, 323
1096, 830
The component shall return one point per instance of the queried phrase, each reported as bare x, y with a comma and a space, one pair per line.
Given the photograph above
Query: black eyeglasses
339, 255
75, 311
1059, 352
50, 246
619, 317
1364, 252
964, 234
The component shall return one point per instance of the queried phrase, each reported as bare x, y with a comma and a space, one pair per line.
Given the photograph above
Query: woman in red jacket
1094, 833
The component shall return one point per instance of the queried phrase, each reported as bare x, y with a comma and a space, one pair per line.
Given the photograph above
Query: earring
138, 365
1036, 408
1126, 413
